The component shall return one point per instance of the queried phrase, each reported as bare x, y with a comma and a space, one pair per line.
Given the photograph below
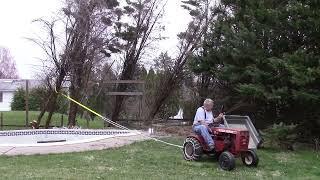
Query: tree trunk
51, 103
117, 108
51, 110
73, 109
164, 91
127, 74
72, 114
44, 109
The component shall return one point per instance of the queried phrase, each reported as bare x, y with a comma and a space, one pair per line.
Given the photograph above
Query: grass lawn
151, 160
18, 118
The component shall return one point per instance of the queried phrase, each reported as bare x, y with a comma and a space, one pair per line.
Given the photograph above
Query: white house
9, 86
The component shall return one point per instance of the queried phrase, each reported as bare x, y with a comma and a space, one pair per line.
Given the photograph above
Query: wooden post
142, 101
87, 123
27, 102
140, 93
1, 120
61, 123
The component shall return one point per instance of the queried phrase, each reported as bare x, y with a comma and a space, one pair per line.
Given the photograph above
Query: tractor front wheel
192, 149
227, 161
250, 158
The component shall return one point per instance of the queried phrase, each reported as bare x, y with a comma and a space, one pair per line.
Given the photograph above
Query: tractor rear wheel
250, 158
192, 149
227, 161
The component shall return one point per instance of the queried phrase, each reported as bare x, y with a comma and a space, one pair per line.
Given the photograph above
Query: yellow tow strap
85, 107
110, 121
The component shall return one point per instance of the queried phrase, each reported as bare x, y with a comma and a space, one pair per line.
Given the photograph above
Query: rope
7, 151
112, 122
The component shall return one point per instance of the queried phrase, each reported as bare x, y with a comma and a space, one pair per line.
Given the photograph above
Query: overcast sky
16, 24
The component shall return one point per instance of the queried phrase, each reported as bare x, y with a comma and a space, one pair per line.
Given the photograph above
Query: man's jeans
204, 132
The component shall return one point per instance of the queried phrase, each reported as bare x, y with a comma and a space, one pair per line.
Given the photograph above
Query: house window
1, 97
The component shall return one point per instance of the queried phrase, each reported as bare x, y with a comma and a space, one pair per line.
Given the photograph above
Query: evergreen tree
265, 56
18, 102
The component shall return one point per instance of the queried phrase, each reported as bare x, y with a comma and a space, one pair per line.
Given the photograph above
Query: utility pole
27, 102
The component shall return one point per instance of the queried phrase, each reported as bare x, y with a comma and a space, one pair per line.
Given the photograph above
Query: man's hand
203, 122
219, 118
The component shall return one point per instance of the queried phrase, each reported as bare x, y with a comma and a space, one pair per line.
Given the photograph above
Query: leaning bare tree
137, 36
86, 42
189, 41
56, 67
8, 68
92, 42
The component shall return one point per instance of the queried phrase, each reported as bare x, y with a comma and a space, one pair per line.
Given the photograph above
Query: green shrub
37, 96
62, 104
280, 136
18, 103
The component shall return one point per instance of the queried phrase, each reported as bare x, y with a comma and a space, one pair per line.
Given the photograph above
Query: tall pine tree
265, 56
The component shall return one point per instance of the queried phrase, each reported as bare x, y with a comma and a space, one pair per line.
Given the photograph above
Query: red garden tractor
229, 144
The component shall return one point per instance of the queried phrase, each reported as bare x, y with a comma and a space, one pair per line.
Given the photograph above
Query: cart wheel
227, 161
250, 158
192, 149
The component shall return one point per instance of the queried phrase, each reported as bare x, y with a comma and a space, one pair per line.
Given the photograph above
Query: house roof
13, 84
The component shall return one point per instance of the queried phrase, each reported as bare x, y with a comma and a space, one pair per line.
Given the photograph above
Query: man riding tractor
212, 138
204, 119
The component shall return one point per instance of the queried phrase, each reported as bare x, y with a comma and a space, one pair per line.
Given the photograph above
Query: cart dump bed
244, 122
